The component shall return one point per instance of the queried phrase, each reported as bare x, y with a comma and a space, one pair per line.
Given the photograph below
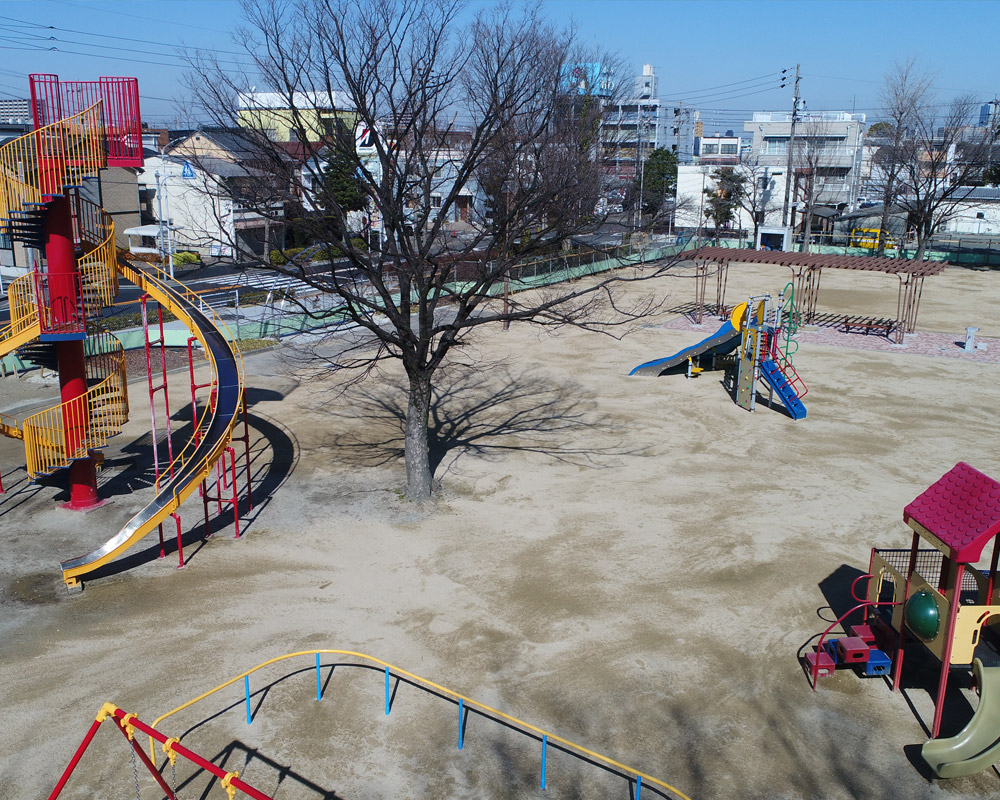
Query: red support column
956, 599
65, 314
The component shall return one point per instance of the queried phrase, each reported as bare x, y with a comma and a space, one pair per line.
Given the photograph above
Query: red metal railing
53, 100
780, 357
60, 308
814, 672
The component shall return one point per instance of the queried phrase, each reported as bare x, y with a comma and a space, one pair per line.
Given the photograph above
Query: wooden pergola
807, 269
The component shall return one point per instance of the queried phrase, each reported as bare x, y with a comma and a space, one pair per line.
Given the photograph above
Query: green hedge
281, 257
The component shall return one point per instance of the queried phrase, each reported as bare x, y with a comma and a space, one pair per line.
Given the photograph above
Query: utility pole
641, 128
791, 149
680, 117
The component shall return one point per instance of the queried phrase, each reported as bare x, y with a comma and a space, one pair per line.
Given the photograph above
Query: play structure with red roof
936, 600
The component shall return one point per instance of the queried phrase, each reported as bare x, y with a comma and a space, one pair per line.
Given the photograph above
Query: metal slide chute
198, 457
724, 340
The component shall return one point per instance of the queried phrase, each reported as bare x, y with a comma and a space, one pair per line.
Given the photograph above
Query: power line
118, 13
180, 61
147, 49
697, 92
35, 49
25, 23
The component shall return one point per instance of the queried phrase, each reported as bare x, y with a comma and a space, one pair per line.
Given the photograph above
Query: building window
775, 146
980, 215
728, 150
709, 149
435, 201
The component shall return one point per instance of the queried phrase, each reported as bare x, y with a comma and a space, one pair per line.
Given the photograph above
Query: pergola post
700, 285
908, 304
721, 278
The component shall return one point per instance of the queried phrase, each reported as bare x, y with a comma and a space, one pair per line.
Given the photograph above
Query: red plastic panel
962, 509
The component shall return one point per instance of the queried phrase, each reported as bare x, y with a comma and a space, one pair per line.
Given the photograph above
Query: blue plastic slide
776, 379
724, 340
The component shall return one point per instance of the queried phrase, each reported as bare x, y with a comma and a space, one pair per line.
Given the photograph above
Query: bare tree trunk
418, 468
807, 228
922, 236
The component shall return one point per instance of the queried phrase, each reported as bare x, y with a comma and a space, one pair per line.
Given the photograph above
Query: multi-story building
989, 114
318, 114
632, 129
827, 152
720, 150
15, 111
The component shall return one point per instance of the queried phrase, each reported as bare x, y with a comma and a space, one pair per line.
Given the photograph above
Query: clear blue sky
720, 56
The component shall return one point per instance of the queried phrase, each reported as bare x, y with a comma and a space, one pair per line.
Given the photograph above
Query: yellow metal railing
525, 727
23, 312
55, 437
10, 427
99, 265
40, 164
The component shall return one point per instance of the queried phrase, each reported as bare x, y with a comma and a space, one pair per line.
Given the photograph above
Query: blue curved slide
724, 340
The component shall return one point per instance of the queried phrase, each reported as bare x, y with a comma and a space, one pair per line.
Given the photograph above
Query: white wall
964, 220
200, 217
692, 180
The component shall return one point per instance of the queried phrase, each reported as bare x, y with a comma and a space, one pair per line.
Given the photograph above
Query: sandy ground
631, 563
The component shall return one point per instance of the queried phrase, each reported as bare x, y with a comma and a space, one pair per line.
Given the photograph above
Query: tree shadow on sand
482, 412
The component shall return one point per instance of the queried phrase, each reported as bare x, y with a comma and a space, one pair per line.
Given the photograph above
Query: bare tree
496, 121
905, 95
809, 156
756, 196
940, 163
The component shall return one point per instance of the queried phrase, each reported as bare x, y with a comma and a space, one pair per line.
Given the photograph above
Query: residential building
976, 211
989, 114
280, 116
827, 152
718, 150
209, 203
443, 163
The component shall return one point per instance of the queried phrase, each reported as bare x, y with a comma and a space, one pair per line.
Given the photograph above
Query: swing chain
135, 774
168, 748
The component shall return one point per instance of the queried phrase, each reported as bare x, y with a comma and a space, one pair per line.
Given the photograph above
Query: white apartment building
721, 150
828, 148
630, 131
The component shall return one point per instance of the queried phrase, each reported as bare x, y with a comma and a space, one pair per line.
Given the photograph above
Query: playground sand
633, 564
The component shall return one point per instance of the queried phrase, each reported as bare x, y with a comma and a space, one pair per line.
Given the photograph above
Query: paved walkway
922, 343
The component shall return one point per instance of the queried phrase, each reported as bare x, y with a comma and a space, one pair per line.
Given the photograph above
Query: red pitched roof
962, 510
